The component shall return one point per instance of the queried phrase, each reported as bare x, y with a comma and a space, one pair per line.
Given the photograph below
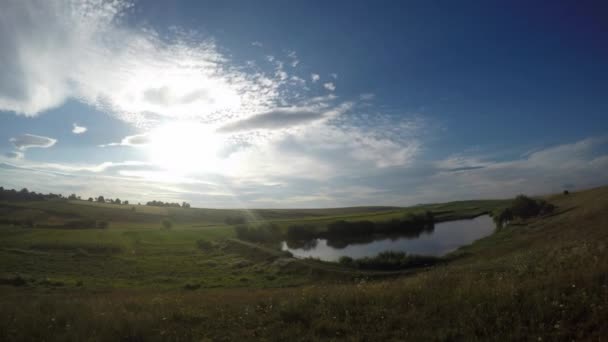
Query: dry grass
546, 279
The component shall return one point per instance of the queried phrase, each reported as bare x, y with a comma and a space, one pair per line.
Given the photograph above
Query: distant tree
90, 199
566, 192
72, 197
101, 199
125, 202
185, 205
117, 201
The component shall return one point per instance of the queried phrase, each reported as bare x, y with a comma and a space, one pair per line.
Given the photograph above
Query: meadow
543, 278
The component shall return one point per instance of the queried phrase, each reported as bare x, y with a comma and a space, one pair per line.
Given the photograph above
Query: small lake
443, 238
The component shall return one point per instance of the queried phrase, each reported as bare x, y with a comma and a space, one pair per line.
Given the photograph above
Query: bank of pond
412, 241
415, 239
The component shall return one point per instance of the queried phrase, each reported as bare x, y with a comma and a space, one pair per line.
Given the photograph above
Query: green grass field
541, 279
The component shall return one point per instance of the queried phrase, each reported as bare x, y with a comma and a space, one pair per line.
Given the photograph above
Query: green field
544, 278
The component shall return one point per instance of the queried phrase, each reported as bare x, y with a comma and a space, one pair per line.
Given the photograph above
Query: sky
301, 104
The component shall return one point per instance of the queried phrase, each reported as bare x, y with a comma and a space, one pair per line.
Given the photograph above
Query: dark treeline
338, 233
26, 195
168, 204
412, 224
389, 261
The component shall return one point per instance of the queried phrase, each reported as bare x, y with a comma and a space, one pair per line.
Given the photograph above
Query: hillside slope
544, 279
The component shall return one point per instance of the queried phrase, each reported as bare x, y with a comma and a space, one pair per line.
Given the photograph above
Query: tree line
26, 195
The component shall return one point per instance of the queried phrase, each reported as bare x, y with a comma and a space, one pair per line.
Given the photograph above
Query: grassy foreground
543, 279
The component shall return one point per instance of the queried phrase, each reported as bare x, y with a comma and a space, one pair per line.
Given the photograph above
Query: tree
524, 207
117, 201
100, 199
125, 202
72, 197
90, 199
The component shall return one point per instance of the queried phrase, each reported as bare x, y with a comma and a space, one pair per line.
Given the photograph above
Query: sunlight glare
185, 147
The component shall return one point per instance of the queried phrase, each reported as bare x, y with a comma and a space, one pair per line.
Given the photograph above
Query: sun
185, 147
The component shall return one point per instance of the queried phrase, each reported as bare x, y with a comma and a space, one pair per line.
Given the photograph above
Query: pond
439, 240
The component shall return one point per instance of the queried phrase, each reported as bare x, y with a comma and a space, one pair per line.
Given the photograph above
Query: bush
346, 261
204, 245
390, 261
523, 207
356, 228
301, 232
267, 232
166, 224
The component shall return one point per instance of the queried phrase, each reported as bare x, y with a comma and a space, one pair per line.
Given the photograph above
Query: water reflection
436, 240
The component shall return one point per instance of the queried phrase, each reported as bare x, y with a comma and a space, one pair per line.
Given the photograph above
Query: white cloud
25, 141
315, 77
256, 43
78, 129
334, 76
329, 86
59, 50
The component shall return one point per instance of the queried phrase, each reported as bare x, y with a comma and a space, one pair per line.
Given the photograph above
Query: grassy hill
540, 279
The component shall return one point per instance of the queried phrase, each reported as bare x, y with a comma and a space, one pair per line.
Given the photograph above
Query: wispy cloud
367, 96
315, 77
76, 129
25, 141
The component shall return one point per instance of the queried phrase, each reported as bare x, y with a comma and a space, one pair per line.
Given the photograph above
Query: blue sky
303, 103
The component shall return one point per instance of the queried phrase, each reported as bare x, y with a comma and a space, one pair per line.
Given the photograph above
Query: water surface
444, 238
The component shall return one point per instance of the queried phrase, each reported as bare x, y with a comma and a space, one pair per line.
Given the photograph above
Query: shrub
204, 245
166, 224
301, 232
391, 260
524, 207
346, 260
266, 232
566, 192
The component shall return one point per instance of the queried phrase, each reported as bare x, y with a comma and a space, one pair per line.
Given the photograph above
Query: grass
542, 279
